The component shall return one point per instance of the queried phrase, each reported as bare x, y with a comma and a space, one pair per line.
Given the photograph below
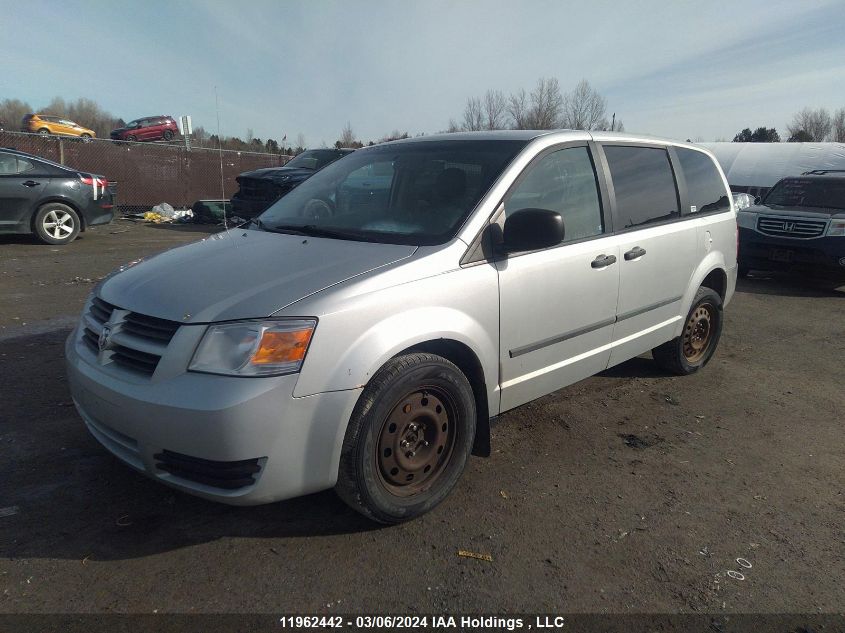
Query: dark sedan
800, 225
50, 200
260, 188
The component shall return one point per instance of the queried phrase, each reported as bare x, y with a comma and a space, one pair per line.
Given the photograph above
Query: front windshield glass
406, 193
314, 159
828, 193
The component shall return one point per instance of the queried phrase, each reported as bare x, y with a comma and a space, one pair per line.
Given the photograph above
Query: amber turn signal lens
282, 347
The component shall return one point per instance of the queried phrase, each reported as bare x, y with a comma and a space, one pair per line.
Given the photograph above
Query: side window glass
8, 165
563, 181
705, 187
644, 184
24, 165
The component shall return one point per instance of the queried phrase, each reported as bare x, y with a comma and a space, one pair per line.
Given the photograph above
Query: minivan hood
242, 274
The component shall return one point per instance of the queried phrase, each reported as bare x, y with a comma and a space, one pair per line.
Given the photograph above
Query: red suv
151, 128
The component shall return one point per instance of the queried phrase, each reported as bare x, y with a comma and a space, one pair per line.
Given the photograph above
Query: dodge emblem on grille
103, 341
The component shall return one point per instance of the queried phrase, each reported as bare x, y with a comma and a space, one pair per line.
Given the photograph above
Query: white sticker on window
693, 208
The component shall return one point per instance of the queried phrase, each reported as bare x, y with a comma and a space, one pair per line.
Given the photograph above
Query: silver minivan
363, 331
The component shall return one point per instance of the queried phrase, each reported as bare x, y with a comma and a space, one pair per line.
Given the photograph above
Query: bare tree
838, 132
249, 136
815, 124
546, 104
495, 110
300, 143
473, 115
584, 109
347, 137
453, 127
518, 110
12, 112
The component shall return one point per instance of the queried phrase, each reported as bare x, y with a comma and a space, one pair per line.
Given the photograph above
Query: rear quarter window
705, 188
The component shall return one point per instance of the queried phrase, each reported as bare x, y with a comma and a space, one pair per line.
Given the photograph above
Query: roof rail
822, 172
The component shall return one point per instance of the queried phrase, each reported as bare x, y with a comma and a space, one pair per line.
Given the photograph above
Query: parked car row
153, 128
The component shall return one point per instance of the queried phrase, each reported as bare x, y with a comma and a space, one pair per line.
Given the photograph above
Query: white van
363, 331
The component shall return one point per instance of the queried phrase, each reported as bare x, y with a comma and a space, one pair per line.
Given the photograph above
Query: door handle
634, 253
603, 261
30, 183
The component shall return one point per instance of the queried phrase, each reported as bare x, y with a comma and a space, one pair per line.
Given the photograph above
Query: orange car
47, 124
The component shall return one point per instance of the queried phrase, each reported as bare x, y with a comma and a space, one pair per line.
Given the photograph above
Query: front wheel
131, 138
44, 131
690, 351
408, 440
57, 224
86, 138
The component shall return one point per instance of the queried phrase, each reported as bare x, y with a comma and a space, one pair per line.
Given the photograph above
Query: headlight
836, 227
746, 220
254, 348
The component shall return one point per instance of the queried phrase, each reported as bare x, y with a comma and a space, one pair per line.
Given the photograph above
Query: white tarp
750, 166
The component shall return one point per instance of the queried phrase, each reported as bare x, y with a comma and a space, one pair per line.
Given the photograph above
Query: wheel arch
711, 272
462, 356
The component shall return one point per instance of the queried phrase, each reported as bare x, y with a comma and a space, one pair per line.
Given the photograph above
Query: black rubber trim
648, 308
533, 347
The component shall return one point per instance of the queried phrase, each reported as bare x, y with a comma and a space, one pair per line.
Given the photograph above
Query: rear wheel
43, 131
168, 135
408, 440
688, 353
56, 223
131, 138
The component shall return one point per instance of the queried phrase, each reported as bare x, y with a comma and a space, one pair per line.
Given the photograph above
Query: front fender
352, 343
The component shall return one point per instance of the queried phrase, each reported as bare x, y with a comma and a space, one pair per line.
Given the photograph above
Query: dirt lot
628, 492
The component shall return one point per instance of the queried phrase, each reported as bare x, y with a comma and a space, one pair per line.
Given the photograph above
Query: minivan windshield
827, 193
405, 193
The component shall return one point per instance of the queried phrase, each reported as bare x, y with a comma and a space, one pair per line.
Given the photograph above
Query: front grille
791, 227
226, 475
136, 341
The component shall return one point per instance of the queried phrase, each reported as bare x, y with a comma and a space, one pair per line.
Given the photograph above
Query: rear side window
11, 165
644, 184
705, 187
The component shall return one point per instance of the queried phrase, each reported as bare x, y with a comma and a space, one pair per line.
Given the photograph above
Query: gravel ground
629, 492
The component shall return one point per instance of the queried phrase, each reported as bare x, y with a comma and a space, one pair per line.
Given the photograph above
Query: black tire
44, 131
86, 138
436, 400
56, 224
168, 135
691, 351
131, 138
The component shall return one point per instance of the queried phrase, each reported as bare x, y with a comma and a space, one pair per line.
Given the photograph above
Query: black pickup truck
260, 188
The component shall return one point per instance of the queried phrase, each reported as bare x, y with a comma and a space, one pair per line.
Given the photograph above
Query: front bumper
214, 421
821, 255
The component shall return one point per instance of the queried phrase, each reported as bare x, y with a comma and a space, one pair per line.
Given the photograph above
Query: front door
20, 189
557, 305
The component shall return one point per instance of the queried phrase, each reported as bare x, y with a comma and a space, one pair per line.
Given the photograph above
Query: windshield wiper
314, 231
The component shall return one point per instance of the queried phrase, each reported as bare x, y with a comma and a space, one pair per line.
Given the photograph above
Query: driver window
563, 181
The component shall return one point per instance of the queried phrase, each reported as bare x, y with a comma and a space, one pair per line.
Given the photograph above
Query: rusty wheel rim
698, 332
416, 441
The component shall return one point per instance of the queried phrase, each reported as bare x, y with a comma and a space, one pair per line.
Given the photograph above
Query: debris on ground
467, 554
9, 511
123, 521
504, 494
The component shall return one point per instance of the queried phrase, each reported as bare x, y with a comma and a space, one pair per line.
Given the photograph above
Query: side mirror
532, 229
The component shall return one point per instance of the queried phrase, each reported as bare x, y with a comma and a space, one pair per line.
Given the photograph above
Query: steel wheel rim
416, 442
58, 224
698, 332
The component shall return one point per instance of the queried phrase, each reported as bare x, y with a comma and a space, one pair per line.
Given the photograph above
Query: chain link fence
142, 175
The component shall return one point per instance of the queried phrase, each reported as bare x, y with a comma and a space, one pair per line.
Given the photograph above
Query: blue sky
671, 68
